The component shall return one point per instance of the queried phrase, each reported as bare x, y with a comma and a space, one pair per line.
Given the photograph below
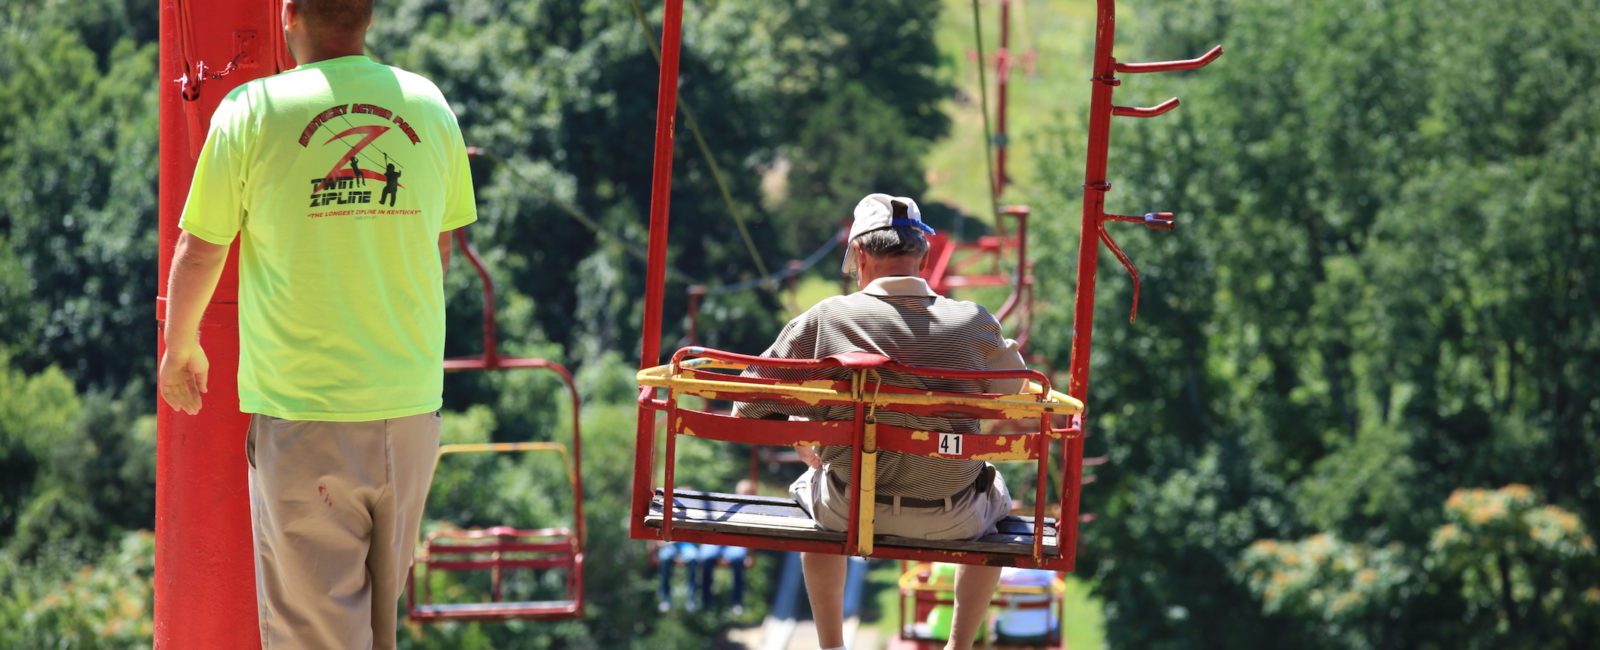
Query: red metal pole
1002, 62
1095, 188
205, 576
656, 262
697, 293
491, 341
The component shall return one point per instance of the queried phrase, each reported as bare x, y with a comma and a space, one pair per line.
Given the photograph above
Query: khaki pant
968, 516
336, 507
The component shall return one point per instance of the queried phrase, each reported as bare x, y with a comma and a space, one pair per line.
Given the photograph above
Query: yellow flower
1482, 514
1366, 576
1592, 595
1517, 491
1568, 521
1447, 533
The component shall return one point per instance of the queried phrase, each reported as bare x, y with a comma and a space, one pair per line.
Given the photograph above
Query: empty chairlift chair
497, 550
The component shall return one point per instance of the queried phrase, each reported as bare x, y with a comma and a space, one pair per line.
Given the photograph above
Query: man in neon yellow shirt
341, 314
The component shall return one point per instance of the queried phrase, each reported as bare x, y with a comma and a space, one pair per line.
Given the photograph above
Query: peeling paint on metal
1018, 451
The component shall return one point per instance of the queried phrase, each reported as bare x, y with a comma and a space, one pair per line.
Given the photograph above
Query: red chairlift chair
499, 549
775, 523
760, 522
920, 593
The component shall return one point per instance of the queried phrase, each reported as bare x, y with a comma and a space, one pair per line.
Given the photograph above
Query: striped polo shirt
901, 318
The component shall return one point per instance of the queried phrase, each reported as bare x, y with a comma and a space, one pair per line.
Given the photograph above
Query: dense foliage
1382, 291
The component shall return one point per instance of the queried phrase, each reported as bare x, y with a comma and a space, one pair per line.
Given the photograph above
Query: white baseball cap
878, 211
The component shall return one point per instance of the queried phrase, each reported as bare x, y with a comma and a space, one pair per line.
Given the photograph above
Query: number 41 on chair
950, 443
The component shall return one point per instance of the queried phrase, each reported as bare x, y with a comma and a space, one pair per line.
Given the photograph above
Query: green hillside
1051, 91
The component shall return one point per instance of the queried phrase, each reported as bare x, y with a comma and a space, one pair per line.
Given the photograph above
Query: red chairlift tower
205, 573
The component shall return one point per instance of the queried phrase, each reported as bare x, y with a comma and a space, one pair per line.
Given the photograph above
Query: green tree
568, 103
1374, 298
77, 216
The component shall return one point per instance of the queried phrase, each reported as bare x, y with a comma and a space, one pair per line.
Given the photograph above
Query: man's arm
196, 267
794, 342
1007, 356
444, 250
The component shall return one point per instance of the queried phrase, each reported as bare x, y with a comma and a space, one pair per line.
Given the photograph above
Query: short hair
341, 16
894, 241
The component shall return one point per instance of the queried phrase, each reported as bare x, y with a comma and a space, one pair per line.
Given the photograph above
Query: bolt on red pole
656, 261
204, 566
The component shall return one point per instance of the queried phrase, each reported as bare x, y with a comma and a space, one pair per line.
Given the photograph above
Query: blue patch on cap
913, 222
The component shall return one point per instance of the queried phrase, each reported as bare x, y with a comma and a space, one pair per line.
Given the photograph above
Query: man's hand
808, 455
196, 266
183, 376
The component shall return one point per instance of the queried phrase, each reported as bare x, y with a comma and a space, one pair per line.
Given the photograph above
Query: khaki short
336, 507
969, 516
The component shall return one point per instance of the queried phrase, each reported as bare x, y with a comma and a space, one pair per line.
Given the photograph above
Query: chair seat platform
780, 517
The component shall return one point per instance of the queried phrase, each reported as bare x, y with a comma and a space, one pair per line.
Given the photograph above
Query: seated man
895, 314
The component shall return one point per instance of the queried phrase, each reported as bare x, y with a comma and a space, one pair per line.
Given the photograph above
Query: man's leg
974, 589
310, 511
665, 557
825, 575
691, 570
709, 554
736, 558
411, 450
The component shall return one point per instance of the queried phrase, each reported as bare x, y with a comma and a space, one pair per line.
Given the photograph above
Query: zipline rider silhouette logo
346, 182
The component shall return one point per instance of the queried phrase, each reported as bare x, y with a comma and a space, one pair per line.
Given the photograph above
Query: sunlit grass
1060, 35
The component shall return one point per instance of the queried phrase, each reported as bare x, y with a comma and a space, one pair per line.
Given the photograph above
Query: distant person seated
895, 314
735, 556
668, 556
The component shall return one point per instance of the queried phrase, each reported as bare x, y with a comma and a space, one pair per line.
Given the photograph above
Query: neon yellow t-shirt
340, 175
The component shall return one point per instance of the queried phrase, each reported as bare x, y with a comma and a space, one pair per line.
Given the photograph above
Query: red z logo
372, 132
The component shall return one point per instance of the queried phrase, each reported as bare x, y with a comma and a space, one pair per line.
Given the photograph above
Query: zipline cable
772, 280
700, 141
